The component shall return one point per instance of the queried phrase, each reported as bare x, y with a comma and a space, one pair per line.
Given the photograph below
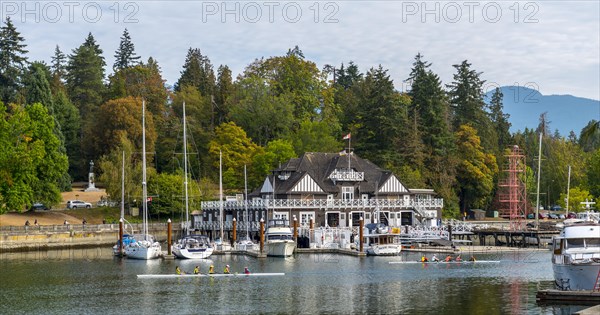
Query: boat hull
280, 248
384, 250
192, 253
143, 250
575, 277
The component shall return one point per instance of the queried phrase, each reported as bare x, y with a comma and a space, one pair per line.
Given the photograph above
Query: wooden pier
573, 297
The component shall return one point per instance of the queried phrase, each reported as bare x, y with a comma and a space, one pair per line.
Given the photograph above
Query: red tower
512, 193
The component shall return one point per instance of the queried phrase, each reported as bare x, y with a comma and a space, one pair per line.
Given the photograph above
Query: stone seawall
34, 238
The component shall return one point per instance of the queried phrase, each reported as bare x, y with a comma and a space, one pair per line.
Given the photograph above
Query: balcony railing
288, 204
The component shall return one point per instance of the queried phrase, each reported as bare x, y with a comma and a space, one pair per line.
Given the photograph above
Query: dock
573, 297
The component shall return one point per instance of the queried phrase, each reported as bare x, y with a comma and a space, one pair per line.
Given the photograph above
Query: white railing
287, 204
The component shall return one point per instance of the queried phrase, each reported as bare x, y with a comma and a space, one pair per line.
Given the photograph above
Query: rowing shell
446, 262
168, 276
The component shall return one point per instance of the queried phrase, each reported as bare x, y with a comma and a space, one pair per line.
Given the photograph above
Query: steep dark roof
320, 165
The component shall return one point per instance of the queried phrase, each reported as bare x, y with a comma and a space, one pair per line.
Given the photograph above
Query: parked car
39, 206
572, 215
106, 203
553, 216
556, 208
74, 204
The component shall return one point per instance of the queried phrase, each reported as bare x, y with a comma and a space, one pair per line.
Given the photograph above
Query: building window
365, 196
280, 215
347, 192
305, 217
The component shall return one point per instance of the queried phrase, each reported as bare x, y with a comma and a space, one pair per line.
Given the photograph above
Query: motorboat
279, 239
379, 242
576, 256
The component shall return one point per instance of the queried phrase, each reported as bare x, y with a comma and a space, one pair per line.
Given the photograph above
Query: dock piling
169, 229
295, 229
234, 230
262, 235
360, 235
121, 237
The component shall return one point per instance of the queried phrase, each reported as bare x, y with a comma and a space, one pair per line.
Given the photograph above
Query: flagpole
349, 141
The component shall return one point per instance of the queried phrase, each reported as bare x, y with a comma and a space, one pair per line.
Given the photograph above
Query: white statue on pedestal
91, 184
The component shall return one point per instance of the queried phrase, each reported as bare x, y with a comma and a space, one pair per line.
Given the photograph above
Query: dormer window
284, 175
347, 192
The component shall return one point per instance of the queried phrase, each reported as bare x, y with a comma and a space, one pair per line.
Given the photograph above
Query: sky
551, 45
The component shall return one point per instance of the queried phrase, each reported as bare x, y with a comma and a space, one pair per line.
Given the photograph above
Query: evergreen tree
197, 72
85, 77
12, 61
68, 119
224, 90
500, 120
125, 55
59, 61
466, 99
37, 87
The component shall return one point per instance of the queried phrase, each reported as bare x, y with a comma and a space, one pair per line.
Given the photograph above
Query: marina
84, 280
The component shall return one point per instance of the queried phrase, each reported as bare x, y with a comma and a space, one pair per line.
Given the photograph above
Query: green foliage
577, 195
593, 173
475, 171
276, 153
143, 81
125, 55
590, 136
12, 61
315, 136
85, 77
31, 165
170, 200
263, 115
197, 72
237, 150
121, 118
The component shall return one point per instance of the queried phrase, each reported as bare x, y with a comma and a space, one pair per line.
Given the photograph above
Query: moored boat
576, 256
193, 247
144, 246
279, 239
379, 242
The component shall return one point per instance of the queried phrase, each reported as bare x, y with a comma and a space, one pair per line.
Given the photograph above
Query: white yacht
145, 246
190, 246
279, 239
576, 256
193, 247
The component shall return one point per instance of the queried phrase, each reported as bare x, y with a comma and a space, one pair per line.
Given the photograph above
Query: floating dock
584, 296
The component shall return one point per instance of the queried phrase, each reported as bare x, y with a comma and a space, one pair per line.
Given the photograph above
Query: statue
91, 184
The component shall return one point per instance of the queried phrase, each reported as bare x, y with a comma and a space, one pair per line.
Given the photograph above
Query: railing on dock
81, 227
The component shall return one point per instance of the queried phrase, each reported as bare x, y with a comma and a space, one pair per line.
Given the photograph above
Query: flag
346, 136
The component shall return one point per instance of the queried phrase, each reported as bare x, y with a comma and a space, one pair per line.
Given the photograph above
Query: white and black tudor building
334, 189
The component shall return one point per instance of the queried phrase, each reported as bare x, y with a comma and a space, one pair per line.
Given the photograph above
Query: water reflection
92, 281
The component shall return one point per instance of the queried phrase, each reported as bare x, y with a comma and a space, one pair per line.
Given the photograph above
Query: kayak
214, 275
446, 262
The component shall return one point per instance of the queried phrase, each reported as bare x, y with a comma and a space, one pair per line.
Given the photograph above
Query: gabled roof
320, 165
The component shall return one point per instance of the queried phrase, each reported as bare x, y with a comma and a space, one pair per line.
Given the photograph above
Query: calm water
91, 281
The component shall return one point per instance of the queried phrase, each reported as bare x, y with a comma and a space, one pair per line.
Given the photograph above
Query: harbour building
334, 189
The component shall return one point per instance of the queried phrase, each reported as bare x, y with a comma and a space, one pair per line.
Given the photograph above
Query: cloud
559, 50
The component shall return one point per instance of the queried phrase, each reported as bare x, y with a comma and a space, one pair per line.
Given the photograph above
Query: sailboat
191, 245
145, 246
127, 238
246, 242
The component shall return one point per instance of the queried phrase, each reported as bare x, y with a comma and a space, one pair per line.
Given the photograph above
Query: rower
177, 270
458, 258
226, 270
424, 259
196, 270
211, 269
434, 258
472, 258
448, 258
246, 271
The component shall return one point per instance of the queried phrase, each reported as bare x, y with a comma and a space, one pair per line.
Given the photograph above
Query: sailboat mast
144, 188
221, 193
537, 199
246, 202
185, 173
568, 190
123, 187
